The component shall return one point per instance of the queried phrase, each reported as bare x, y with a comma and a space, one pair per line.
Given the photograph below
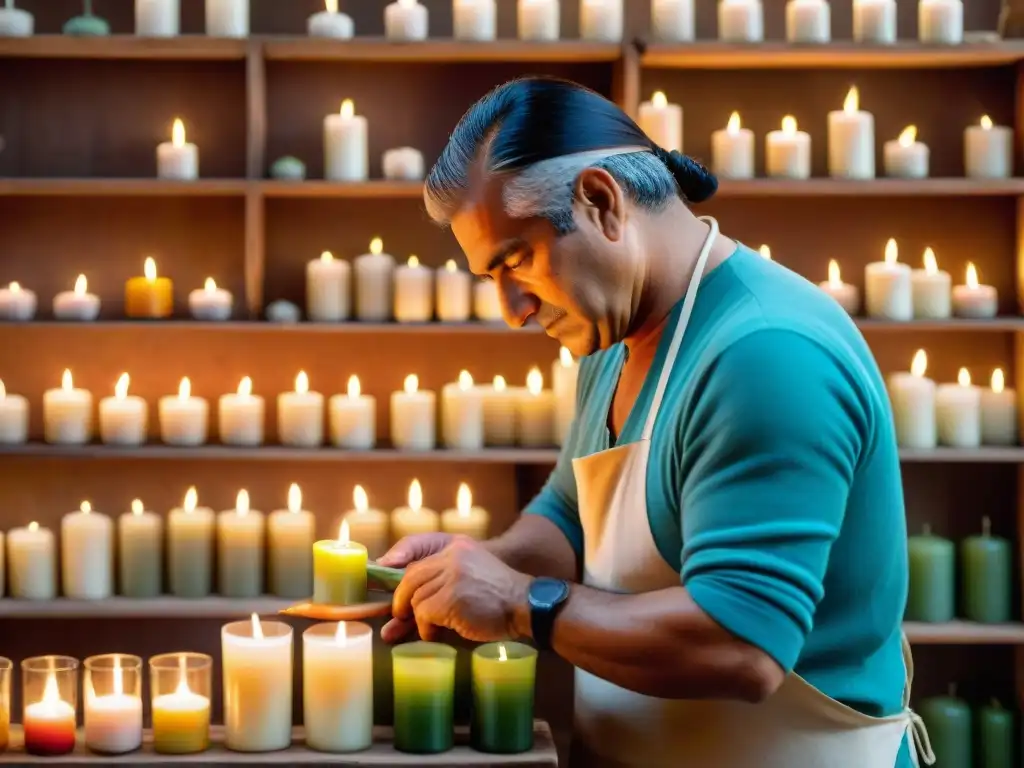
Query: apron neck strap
680, 329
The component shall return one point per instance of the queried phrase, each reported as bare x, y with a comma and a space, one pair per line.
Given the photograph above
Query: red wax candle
49, 728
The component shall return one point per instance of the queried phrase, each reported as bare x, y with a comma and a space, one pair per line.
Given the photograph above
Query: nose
517, 305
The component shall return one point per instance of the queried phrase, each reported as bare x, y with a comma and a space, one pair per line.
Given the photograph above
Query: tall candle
475, 19
32, 563
808, 21
564, 376
913, 405
330, 23
948, 720
732, 150
995, 736
465, 519
973, 300
662, 122
740, 21
500, 411
999, 424
453, 295
403, 164
149, 296
988, 150
932, 590
851, 140
538, 20
346, 145
905, 157
13, 417
87, 554
240, 416
300, 415
601, 20
113, 704
290, 536
240, 543
847, 296
17, 302
424, 697
375, 283
504, 676
184, 418
77, 304
888, 288
49, 719
958, 412
874, 21
940, 22
157, 18
67, 414
368, 526
486, 301
337, 686
124, 418
535, 420
673, 21
405, 21
353, 418
177, 159
190, 542
210, 303
988, 576
140, 547
788, 151
414, 518
328, 289
227, 18
462, 414
414, 292
413, 417
339, 570
257, 674
930, 289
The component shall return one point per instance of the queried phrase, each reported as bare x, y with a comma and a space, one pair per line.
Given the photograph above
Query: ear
599, 199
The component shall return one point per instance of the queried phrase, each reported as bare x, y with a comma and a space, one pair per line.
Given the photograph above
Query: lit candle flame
412, 383
464, 500
659, 100
407, 3
766, 252
3, 390
51, 693
359, 499
353, 387
149, 268
534, 382
998, 380
834, 278
499, 384
465, 381
242, 503
789, 125
183, 689
348, 109
85, 507
892, 251
326, 256
908, 136
191, 500
972, 275
121, 388
331, 6
565, 357
502, 653
185, 389
986, 123
301, 383
65, 381
245, 387
137, 507
178, 133
210, 286
931, 266
257, 628
852, 101
415, 496
963, 378
451, 266
919, 364
294, 498
341, 634
14, 287
81, 285
118, 677
33, 526
734, 123
343, 534
376, 246
414, 262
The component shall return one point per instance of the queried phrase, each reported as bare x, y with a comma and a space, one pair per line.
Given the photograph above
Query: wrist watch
546, 597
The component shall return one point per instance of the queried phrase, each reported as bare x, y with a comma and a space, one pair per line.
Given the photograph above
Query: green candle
932, 587
995, 730
339, 571
503, 683
423, 676
987, 580
948, 720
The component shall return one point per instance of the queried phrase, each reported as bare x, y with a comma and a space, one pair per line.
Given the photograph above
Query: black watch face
548, 592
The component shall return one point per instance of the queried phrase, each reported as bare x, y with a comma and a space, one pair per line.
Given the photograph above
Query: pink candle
50, 723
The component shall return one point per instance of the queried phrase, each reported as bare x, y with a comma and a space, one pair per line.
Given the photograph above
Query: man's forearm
534, 545
657, 643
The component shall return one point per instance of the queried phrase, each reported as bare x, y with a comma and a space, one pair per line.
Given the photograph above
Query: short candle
475, 20
462, 414
930, 289
662, 122
149, 296
913, 405
932, 590
15, 22
414, 292
740, 21
788, 151
874, 21
210, 303
958, 412
140, 541
466, 519
339, 570
535, 421
190, 543
17, 302
240, 544
564, 376
601, 20
940, 22
157, 18
851, 140
290, 535
405, 20
240, 416
988, 576
113, 704
950, 726
732, 150
487, 301
808, 21
413, 417
673, 21
181, 712
184, 418
368, 526
300, 416
504, 676
905, 157
13, 417
500, 410
453, 293
32, 563
328, 289
227, 18
999, 424
538, 20
330, 23
375, 283
988, 150
353, 418
972, 300
414, 518
124, 418
337, 675
87, 554
845, 294
346, 145
424, 697
77, 304
887, 286
49, 715
177, 159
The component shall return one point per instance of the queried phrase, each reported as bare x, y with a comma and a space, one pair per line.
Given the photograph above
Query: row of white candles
987, 150
472, 416
960, 415
239, 552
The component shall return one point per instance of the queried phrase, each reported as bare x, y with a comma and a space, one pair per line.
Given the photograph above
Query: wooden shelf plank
121, 187
964, 633
184, 47
983, 455
214, 607
995, 325
371, 49
381, 754
835, 55
368, 190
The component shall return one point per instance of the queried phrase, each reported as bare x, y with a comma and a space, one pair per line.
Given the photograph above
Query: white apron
796, 727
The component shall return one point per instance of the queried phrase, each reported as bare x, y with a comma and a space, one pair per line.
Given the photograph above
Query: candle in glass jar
788, 151
913, 405
974, 301
732, 150
328, 289
538, 20
140, 546
17, 302
227, 18
988, 578
958, 412
240, 416
149, 296
13, 417
210, 303
177, 159
601, 20
337, 676
940, 22
290, 536
424, 697
406, 20
999, 412
887, 285
673, 21
403, 164
462, 414
414, 517
662, 122
339, 570
413, 417
465, 519
368, 526
67, 414
851, 140
190, 544
948, 720
330, 23
49, 723
414, 292
77, 304
808, 21
181, 718
740, 21
157, 18
240, 544
32, 563
346, 145
535, 418
124, 418
845, 294
375, 281
932, 588
183, 417
113, 704
486, 301
353, 418
874, 21
500, 409
475, 19
905, 157
504, 676
988, 150
300, 415
453, 295
564, 376
87, 554
930, 289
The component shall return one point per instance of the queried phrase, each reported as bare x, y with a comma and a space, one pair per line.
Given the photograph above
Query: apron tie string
919, 741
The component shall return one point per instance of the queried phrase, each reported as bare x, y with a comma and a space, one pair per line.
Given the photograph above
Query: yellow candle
181, 711
149, 296
339, 570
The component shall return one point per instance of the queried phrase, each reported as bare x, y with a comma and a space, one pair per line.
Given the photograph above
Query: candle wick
926, 529
952, 690
986, 526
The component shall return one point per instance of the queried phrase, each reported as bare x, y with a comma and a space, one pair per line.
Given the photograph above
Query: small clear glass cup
49, 694
112, 700
180, 686
6, 672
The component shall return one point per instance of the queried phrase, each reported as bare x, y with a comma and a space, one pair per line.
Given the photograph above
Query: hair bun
696, 183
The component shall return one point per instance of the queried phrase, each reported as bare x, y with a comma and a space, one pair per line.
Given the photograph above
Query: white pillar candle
190, 544
406, 20
124, 418
486, 301
77, 304
240, 416
15, 22
465, 519
874, 21
887, 287
564, 376
940, 22
346, 145
17, 303
328, 289
538, 20
113, 721
851, 140
353, 418
210, 303
337, 686
740, 21
999, 413
140, 547
414, 518
930, 290
453, 293
403, 164
414, 292
475, 19
183, 418
330, 23
673, 21
290, 536
988, 152
300, 416
413, 417
32, 563
368, 526
974, 301
257, 663
601, 20
787, 152
500, 407
905, 157
462, 415
13, 417
913, 405
808, 21
157, 18
732, 150
375, 283
240, 545
227, 18
87, 554
67, 414
845, 294
177, 159
535, 415
662, 122
958, 413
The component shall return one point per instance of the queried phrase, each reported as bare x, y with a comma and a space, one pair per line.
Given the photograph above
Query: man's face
578, 287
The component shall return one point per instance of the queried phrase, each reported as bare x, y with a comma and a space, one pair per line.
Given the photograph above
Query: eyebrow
504, 251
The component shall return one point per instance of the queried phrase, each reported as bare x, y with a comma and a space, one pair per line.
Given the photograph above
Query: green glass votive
504, 675
424, 685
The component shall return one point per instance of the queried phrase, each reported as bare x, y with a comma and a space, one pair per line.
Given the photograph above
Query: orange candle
149, 296
5, 724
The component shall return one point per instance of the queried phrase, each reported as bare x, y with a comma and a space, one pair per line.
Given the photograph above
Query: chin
579, 342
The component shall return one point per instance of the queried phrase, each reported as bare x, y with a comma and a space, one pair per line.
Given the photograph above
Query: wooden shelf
164, 607
121, 187
438, 50
367, 190
995, 325
983, 455
964, 633
840, 54
185, 47
936, 187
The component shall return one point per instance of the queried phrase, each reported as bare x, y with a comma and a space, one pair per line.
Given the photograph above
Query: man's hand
409, 550
464, 588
